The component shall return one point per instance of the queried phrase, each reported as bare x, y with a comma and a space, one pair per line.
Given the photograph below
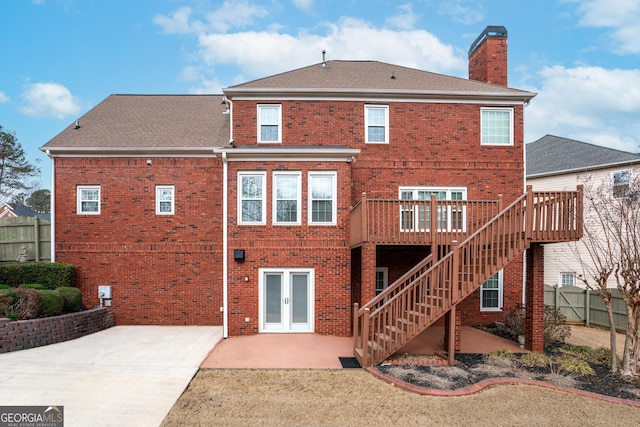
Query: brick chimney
488, 56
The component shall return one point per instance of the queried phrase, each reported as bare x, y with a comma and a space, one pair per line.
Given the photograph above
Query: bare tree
612, 242
599, 259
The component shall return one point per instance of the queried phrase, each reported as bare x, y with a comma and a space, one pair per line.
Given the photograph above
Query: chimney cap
493, 32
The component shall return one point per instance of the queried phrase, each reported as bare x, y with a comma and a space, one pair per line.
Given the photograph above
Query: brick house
304, 201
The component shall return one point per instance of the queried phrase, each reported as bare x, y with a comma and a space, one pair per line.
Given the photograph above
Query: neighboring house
15, 209
555, 163
248, 209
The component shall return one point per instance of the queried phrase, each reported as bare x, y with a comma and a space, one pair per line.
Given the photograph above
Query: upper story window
620, 182
251, 197
269, 123
286, 198
567, 279
165, 200
322, 198
88, 199
417, 216
376, 123
496, 126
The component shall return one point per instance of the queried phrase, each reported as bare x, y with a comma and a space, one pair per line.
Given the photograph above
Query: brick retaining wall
23, 334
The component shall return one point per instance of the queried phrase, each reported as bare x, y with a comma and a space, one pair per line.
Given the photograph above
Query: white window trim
79, 199
385, 278
566, 273
501, 109
159, 189
334, 190
286, 272
259, 130
274, 203
500, 294
386, 123
449, 212
263, 175
613, 174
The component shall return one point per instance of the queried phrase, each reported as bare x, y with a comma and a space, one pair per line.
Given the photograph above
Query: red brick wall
430, 145
324, 248
488, 63
162, 269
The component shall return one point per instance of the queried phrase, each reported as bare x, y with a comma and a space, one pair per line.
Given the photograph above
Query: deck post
451, 335
365, 337
355, 325
433, 221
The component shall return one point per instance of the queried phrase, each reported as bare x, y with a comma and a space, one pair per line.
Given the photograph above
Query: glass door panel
299, 299
273, 299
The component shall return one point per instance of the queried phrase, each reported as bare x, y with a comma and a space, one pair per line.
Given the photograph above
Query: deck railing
427, 292
418, 222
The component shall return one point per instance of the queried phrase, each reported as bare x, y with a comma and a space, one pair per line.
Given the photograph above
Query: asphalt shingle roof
149, 121
553, 154
372, 76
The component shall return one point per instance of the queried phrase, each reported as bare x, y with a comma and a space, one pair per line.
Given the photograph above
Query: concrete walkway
122, 376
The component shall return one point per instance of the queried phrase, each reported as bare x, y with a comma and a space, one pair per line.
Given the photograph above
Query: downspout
225, 248
524, 257
52, 208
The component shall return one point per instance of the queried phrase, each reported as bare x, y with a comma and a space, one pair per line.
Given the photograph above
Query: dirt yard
353, 397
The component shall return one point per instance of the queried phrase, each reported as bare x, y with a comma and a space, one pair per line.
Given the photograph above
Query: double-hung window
416, 216
251, 197
269, 123
165, 200
286, 198
376, 123
322, 198
88, 199
491, 293
496, 126
620, 182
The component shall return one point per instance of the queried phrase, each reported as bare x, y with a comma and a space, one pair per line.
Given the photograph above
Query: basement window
491, 293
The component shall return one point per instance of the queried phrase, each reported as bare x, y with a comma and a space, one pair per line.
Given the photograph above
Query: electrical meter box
104, 292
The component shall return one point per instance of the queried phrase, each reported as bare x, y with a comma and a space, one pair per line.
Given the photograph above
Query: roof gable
553, 154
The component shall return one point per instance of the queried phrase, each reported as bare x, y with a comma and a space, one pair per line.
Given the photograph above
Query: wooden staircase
433, 287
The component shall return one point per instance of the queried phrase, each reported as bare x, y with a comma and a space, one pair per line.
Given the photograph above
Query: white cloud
622, 17
264, 53
51, 100
3, 98
590, 104
303, 4
405, 19
239, 14
461, 11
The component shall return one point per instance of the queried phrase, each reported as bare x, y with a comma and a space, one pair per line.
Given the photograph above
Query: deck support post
534, 306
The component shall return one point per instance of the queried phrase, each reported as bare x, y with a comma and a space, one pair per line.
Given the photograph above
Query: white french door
286, 300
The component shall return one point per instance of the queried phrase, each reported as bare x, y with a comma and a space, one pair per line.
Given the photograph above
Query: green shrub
535, 359
571, 364
32, 286
5, 287
52, 303
72, 299
50, 275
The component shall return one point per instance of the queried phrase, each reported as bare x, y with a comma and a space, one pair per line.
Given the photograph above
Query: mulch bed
472, 368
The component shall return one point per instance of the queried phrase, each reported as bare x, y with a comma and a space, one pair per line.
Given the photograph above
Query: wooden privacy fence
583, 305
32, 233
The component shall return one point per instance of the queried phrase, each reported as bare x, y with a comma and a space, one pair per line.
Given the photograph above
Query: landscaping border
24, 334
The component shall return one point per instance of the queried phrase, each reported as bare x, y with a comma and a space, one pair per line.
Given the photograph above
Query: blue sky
62, 57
